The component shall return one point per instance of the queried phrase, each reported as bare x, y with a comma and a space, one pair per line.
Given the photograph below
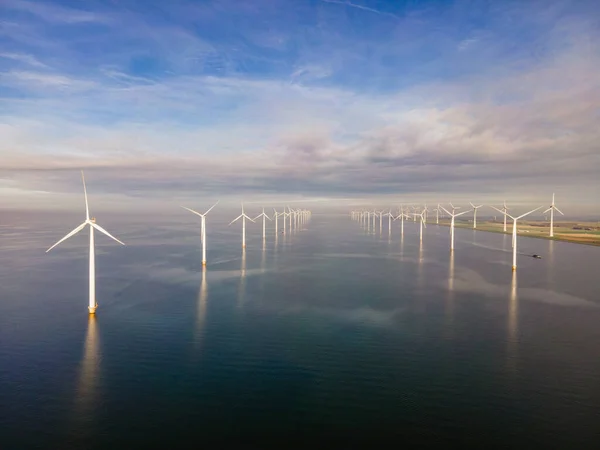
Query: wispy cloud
27, 59
55, 13
361, 7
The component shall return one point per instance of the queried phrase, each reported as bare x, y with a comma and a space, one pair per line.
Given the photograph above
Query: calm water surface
328, 332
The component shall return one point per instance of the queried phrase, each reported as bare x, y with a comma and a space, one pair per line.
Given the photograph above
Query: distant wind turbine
437, 214
422, 215
276, 215
505, 212
203, 229
92, 305
551, 209
264, 216
514, 232
452, 215
242, 216
475, 208
390, 215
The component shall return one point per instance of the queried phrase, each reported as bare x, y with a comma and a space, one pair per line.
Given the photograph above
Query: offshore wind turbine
389, 214
242, 216
276, 215
514, 232
401, 216
203, 229
264, 216
451, 214
422, 215
475, 208
551, 209
92, 305
505, 212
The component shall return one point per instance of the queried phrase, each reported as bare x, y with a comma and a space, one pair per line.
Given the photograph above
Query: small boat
536, 256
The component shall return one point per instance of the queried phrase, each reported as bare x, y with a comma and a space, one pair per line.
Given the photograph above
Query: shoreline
560, 238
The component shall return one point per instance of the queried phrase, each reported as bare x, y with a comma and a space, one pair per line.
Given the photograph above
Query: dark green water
327, 333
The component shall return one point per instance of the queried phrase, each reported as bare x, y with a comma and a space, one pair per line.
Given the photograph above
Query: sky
350, 102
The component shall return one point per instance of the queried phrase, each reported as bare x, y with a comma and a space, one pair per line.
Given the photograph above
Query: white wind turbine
437, 214
514, 232
475, 208
401, 216
452, 215
390, 216
264, 216
92, 305
202, 229
290, 216
551, 209
276, 215
505, 212
242, 216
422, 215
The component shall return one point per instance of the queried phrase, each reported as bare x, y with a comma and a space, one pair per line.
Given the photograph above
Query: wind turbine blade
102, 230
527, 213
547, 210
87, 209
75, 231
192, 211
558, 210
212, 207
503, 212
236, 219
249, 218
472, 204
461, 213
447, 212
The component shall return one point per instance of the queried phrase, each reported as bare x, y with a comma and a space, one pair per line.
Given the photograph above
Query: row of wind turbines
294, 218
366, 217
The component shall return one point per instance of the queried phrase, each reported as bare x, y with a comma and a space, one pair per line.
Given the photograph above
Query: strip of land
576, 232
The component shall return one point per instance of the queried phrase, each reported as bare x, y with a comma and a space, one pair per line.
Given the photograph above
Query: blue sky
327, 99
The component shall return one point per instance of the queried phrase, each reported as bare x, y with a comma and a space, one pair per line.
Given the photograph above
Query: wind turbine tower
264, 228
202, 229
242, 216
514, 232
452, 215
475, 208
92, 305
551, 209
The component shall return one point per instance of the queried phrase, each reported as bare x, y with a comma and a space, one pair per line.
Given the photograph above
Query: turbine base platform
92, 309
203, 263
514, 268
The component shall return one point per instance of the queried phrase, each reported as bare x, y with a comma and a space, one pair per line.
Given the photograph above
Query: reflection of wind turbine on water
201, 308
242, 285
450, 298
513, 326
92, 305
87, 386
